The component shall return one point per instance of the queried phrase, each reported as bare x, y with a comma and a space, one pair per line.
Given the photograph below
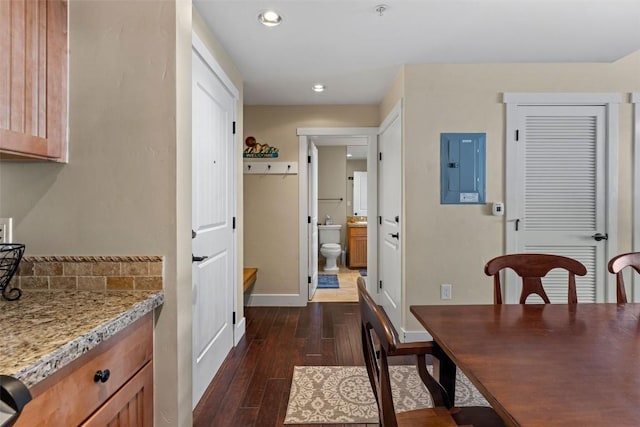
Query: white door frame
608, 100
635, 99
199, 46
371, 133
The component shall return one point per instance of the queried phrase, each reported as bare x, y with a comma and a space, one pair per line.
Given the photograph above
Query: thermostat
497, 208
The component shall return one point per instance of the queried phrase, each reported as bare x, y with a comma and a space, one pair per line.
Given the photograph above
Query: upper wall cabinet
33, 79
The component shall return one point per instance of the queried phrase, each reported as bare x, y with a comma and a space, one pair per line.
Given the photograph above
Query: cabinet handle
102, 376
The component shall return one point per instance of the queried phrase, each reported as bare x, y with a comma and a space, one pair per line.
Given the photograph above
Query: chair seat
428, 417
476, 416
472, 416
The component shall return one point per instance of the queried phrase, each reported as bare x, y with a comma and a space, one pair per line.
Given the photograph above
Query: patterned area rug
342, 394
328, 281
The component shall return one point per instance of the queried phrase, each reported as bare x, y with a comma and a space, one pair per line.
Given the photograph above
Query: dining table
542, 364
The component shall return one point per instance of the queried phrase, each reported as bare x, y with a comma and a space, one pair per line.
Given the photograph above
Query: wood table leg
444, 371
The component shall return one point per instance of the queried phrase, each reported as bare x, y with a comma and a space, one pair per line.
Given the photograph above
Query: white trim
278, 300
304, 134
395, 112
303, 209
611, 225
610, 101
635, 99
568, 98
351, 131
201, 49
511, 151
239, 331
415, 336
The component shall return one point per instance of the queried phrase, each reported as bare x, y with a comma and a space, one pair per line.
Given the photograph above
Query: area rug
328, 281
342, 394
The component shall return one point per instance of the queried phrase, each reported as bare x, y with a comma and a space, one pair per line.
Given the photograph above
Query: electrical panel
462, 168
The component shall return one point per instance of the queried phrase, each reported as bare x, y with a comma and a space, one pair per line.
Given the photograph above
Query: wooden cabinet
72, 396
357, 246
33, 79
131, 406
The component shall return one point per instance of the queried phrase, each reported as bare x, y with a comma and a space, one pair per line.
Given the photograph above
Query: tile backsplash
89, 273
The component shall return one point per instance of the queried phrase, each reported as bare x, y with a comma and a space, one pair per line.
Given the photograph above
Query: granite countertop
356, 221
356, 224
45, 330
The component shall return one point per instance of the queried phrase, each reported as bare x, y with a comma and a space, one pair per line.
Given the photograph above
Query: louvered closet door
561, 197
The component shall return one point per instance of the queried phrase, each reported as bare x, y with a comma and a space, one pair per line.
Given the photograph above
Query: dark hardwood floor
252, 387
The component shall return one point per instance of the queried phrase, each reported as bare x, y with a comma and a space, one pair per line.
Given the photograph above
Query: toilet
329, 241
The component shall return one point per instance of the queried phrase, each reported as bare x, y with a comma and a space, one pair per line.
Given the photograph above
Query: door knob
395, 235
198, 258
600, 236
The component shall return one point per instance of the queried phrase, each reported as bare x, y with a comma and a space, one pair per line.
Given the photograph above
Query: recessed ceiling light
269, 18
318, 88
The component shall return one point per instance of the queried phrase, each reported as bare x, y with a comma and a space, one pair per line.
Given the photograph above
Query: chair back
616, 265
376, 361
532, 268
379, 341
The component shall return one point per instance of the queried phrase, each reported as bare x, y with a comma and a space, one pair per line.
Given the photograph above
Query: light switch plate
6, 229
445, 291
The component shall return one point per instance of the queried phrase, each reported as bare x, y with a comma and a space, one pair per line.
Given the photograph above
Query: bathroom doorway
341, 153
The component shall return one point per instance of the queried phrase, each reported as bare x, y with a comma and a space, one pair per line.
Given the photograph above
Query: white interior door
559, 194
313, 219
212, 217
390, 211
360, 193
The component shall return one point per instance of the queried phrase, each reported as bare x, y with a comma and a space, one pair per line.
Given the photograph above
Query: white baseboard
239, 331
276, 300
413, 336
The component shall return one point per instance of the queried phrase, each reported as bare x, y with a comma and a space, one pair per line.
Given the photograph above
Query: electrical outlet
445, 291
6, 228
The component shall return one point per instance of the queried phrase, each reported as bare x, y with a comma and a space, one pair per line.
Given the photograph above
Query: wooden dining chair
532, 268
616, 265
379, 341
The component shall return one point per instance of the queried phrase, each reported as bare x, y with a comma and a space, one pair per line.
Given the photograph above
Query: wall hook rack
270, 168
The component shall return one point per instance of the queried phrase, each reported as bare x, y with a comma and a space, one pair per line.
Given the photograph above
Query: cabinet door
132, 406
357, 247
33, 79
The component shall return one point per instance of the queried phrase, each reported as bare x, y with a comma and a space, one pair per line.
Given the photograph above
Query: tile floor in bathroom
348, 290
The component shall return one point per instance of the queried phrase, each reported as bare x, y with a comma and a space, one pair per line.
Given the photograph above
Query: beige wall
332, 173
127, 187
451, 243
271, 239
393, 95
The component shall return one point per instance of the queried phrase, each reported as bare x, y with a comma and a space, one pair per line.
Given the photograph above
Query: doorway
312, 203
342, 217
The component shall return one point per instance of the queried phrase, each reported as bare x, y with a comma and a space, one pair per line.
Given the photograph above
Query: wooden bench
249, 278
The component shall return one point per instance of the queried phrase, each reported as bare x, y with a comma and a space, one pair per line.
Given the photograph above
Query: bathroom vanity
357, 244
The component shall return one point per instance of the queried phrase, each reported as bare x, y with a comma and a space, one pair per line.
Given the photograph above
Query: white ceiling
356, 53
